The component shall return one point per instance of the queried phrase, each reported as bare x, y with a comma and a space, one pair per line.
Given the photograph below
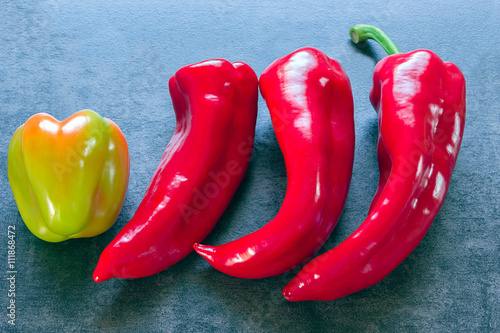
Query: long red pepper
215, 104
310, 101
420, 101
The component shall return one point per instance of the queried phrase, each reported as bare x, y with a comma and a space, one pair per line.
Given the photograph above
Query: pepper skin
215, 104
310, 101
420, 101
69, 178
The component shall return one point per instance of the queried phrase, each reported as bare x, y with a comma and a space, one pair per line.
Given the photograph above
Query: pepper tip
101, 275
96, 278
294, 293
206, 251
286, 294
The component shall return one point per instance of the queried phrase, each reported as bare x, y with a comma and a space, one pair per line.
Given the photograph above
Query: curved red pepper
215, 104
310, 101
420, 102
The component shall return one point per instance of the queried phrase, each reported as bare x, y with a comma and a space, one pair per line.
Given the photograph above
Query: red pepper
420, 101
310, 101
215, 104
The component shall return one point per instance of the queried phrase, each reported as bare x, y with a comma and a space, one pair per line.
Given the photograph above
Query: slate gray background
115, 57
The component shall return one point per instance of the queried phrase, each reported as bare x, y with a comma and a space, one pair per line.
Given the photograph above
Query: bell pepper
68, 178
215, 104
311, 105
420, 101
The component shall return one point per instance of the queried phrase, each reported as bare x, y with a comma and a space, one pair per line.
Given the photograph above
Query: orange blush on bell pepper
69, 178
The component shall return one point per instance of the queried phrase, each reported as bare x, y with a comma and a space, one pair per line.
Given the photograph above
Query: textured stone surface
115, 57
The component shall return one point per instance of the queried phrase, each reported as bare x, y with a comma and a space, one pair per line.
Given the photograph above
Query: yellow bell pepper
69, 178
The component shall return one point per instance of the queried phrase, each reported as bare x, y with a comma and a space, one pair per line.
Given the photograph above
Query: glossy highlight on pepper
69, 178
215, 104
420, 101
310, 101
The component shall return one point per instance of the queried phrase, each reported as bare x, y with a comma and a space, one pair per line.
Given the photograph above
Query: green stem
363, 32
